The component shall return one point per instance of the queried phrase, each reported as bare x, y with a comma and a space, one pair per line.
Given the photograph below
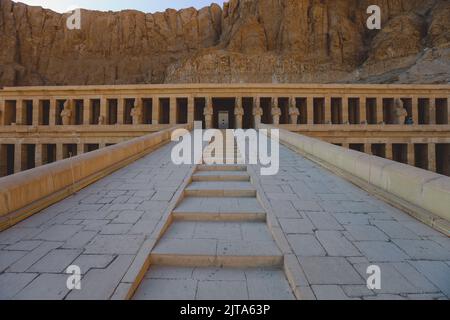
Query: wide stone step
188, 283
222, 167
221, 175
220, 189
223, 209
217, 244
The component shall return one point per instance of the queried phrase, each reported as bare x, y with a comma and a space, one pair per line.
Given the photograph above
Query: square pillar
389, 151
363, 110
17, 157
52, 112
327, 117
155, 110
432, 110
20, 114
173, 110
379, 109
86, 111
38, 155
103, 110
415, 110
120, 110
59, 151
345, 119
35, 108
80, 149
368, 148
190, 109
410, 154
2, 112
432, 157
310, 110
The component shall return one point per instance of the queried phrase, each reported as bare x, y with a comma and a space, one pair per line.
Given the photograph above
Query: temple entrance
222, 108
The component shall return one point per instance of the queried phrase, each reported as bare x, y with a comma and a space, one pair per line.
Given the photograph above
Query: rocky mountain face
279, 41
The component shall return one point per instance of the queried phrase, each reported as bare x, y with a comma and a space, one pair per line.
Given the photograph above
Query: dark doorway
247, 119
199, 106
223, 104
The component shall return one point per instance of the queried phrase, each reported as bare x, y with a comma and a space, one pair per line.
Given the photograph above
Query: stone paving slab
178, 283
337, 230
100, 229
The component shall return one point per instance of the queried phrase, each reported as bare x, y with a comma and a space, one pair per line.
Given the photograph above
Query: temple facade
405, 123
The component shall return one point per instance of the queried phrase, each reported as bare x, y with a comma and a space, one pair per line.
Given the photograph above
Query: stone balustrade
428, 192
27, 192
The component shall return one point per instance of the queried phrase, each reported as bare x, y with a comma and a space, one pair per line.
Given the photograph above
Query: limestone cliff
245, 41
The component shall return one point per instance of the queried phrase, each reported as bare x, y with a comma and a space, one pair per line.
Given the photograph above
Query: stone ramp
219, 245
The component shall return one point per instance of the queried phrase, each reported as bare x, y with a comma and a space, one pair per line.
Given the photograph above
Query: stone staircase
219, 245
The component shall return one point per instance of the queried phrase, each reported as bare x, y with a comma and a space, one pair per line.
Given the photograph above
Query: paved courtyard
327, 229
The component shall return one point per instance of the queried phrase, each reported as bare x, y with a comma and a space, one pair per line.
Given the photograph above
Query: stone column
410, 154
363, 110
389, 151
103, 119
38, 155
345, 119
432, 110
120, 110
87, 111
190, 109
173, 110
80, 148
379, 110
20, 112
328, 110
138, 104
155, 110
368, 148
2, 112
59, 151
310, 110
36, 111
52, 112
415, 109
208, 113
18, 157
432, 157
238, 113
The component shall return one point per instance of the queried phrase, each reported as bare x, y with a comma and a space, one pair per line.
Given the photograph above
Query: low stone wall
422, 188
27, 192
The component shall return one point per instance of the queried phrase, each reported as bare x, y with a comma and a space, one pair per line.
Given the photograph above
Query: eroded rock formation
245, 41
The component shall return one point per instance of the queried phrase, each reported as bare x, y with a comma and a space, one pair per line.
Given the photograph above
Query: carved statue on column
238, 113
101, 120
208, 113
66, 113
136, 115
257, 113
293, 111
276, 112
400, 112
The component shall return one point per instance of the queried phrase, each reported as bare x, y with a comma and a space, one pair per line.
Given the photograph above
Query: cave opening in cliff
199, 107
225, 108
247, 119
266, 105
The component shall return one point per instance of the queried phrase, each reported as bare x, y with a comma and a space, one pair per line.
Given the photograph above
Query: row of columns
136, 113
